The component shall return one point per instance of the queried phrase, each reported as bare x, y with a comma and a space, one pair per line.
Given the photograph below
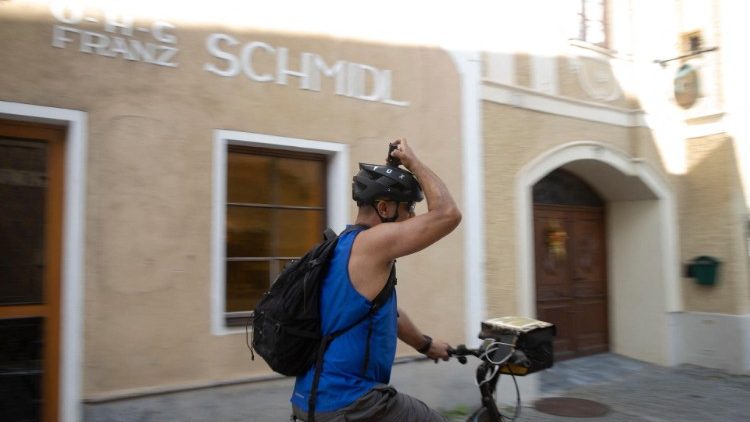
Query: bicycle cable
517, 411
495, 368
491, 348
488, 377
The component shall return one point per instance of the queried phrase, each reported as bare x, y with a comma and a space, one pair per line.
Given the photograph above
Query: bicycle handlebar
517, 357
461, 351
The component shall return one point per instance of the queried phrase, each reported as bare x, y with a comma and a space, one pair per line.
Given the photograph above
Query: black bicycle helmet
375, 181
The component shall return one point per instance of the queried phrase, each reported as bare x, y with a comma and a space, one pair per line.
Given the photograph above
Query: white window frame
338, 194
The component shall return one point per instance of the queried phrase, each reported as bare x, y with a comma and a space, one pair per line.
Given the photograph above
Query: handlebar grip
459, 352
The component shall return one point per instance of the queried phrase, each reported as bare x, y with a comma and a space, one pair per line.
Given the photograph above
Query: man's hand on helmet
404, 153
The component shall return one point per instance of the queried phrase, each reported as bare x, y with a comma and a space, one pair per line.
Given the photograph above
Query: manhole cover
571, 407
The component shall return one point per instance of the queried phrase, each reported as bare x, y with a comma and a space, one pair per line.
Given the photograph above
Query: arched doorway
571, 263
642, 245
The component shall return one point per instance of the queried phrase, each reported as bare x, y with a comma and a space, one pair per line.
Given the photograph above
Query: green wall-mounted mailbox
704, 270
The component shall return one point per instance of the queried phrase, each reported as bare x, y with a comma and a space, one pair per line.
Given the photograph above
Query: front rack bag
531, 336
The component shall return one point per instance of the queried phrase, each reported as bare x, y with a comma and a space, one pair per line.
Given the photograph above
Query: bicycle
514, 346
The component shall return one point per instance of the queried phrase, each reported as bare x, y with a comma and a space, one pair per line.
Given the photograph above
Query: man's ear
382, 208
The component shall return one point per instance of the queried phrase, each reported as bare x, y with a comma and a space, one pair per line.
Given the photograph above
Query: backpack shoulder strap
378, 303
329, 234
387, 291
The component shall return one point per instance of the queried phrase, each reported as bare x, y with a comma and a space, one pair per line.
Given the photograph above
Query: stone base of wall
712, 340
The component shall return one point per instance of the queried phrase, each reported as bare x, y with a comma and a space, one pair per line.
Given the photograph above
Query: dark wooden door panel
571, 280
588, 248
591, 326
559, 314
552, 269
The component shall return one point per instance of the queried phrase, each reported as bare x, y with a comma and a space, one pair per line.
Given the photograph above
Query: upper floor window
275, 211
692, 42
591, 18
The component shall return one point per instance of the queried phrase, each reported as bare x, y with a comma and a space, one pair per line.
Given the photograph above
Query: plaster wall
638, 323
712, 215
513, 137
147, 306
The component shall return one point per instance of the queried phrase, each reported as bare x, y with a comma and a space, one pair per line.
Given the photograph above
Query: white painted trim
501, 68
702, 130
338, 194
73, 247
537, 168
520, 97
544, 75
469, 66
218, 234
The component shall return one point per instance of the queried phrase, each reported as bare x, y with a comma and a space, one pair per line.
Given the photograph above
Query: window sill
596, 48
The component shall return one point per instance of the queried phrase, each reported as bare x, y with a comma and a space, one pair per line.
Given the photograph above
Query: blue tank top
342, 380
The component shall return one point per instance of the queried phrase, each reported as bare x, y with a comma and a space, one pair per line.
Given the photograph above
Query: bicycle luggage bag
531, 336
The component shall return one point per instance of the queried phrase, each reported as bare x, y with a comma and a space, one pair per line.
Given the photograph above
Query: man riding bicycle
353, 384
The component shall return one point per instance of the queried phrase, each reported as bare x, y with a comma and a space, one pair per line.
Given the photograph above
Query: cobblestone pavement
686, 393
632, 390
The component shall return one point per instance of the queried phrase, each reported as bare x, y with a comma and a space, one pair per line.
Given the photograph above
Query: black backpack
287, 326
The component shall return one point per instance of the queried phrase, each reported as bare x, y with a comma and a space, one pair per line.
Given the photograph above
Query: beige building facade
586, 187
665, 154
150, 110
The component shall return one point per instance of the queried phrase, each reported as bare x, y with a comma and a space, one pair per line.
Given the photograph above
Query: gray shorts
381, 404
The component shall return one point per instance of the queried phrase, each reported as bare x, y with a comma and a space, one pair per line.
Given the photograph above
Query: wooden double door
571, 277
